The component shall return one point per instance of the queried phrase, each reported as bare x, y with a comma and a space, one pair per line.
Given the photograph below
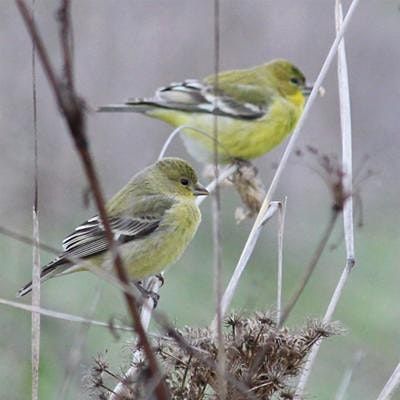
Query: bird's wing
196, 96
89, 238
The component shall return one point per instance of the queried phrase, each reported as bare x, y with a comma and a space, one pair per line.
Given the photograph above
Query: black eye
185, 181
295, 81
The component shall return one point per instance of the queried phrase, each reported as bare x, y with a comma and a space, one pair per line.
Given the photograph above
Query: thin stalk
216, 213
78, 344
345, 383
311, 266
243, 260
179, 129
391, 385
348, 224
281, 228
35, 302
35, 330
63, 316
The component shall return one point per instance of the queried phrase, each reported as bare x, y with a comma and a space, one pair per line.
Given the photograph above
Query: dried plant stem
35, 303
35, 339
311, 266
281, 228
78, 344
222, 175
216, 223
344, 385
391, 385
179, 129
243, 260
169, 140
64, 316
345, 118
71, 108
347, 152
65, 26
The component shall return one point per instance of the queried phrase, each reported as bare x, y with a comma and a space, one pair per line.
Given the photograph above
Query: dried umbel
250, 189
247, 184
262, 360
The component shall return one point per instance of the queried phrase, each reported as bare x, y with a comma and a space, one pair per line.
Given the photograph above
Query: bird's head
177, 177
289, 80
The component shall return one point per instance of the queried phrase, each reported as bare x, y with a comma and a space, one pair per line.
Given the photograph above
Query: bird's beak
200, 190
307, 89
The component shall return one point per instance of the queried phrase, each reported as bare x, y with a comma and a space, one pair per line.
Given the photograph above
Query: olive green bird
154, 218
256, 108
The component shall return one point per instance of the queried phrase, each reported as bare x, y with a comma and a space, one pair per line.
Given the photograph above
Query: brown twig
64, 18
71, 108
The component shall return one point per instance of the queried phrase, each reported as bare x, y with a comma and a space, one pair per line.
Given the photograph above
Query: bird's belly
152, 254
237, 138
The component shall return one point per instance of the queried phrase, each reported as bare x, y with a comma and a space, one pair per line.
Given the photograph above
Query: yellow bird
256, 109
154, 218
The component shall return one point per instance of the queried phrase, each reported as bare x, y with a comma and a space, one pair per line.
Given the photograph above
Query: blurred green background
128, 48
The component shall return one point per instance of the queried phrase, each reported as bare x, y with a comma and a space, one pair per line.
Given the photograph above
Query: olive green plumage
256, 107
154, 217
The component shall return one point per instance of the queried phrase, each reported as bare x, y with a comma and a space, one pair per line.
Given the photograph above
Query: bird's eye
185, 181
295, 81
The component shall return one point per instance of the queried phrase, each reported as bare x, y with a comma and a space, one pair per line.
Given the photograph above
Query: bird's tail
51, 270
132, 105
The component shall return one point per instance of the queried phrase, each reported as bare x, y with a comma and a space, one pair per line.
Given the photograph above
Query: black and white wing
89, 238
193, 96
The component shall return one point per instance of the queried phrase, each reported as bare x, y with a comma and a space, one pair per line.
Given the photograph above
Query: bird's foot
161, 279
245, 165
148, 293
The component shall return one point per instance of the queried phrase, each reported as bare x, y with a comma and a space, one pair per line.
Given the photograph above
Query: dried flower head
262, 360
250, 189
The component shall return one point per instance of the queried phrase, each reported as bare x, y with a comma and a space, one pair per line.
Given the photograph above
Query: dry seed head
250, 189
260, 356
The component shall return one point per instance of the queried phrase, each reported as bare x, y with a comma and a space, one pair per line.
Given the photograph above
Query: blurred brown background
129, 48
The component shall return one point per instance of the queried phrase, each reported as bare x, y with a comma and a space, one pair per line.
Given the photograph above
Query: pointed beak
200, 190
307, 89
